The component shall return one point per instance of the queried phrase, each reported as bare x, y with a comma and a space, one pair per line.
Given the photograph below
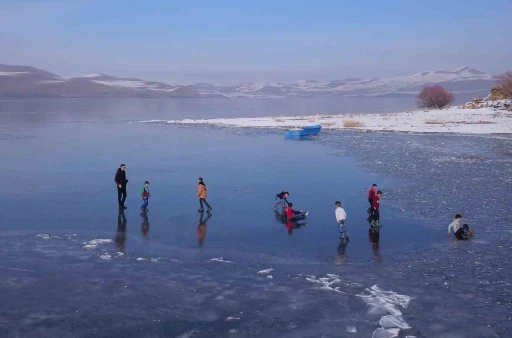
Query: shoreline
458, 120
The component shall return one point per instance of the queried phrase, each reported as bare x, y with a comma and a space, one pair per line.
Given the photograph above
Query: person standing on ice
144, 195
375, 217
201, 194
371, 195
341, 215
121, 182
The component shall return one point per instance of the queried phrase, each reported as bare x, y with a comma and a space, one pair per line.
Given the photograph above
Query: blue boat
306, 131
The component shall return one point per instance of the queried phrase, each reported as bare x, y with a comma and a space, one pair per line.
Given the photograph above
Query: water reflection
145, 224
300, 138
374, 238
342, 248
121, 231
289, 224
201, 228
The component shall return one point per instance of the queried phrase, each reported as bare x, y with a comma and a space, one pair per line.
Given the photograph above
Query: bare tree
505, 83
434, 97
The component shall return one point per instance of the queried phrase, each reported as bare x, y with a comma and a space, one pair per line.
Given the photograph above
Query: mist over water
44, 110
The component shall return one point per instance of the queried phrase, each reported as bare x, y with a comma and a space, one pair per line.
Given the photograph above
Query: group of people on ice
290, 216
121, 182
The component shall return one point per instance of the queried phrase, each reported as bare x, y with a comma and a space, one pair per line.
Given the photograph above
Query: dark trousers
121, 195
375, 214
461, 234
371, 206
203, 200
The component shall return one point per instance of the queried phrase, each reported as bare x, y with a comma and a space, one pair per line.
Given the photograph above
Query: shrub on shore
352, 124
505, 84
434, 97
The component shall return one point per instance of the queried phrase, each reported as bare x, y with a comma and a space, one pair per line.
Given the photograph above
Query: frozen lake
72, 266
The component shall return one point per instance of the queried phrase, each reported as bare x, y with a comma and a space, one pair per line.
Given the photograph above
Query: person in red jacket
375, 209
294, 215
371, 195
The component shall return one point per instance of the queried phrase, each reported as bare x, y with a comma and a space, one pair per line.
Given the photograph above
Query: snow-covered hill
461, 80
23, 81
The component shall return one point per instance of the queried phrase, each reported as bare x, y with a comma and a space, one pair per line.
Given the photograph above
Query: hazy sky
236, 41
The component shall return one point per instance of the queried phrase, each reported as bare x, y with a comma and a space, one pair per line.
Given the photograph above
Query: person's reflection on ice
121, 231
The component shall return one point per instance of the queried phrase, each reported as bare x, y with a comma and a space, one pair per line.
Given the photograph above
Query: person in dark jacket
283, 195
121, 182
464, 233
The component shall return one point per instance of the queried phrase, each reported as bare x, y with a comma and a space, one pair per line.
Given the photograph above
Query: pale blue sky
224, 41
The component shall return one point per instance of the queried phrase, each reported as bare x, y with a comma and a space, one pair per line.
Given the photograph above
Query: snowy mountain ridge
24, 81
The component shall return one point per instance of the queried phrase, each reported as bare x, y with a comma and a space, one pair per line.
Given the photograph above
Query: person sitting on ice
295, 215
464, 233
455, 224
283, 195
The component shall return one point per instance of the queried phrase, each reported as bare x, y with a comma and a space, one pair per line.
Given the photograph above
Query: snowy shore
486, 120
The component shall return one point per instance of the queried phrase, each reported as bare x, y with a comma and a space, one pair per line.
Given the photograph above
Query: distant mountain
461, 80
24, 81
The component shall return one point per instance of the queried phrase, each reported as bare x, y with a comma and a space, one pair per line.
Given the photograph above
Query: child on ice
375, 217
341, 215
461, 232
371, 195
294, 215
455, 225
145, 196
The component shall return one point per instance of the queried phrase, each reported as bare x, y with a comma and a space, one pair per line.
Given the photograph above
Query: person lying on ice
283, 195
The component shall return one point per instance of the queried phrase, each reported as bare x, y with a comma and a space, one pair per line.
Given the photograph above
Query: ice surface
93, 244
376, 302
230, 318
106, 256
385, 300
222, 260
385, 333
479, 282
393, 322
47, 236
187, 334
351, 329
266, 271
390, 296
376, 310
